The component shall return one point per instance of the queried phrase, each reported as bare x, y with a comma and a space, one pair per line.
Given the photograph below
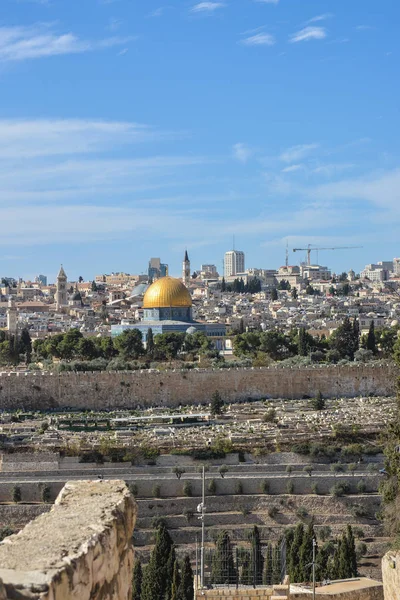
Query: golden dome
167, 292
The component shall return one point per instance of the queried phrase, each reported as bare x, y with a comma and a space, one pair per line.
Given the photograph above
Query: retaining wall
95, 391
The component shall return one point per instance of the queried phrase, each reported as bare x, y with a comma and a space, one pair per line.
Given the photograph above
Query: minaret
12, 317
61, 293
186, 270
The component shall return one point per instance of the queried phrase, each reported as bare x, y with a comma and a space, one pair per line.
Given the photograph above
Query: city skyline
134, 131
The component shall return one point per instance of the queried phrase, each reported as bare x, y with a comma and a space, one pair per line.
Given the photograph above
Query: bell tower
12, 317
186, 270
61, 293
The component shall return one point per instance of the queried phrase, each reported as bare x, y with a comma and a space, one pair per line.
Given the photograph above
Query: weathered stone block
80, 550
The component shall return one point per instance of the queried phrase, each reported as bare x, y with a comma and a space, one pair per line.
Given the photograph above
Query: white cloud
39, 41
241, 152
296, 153
292, 168
259, 39
268, 1
208, 7
319, 18
157, 12
45, 137
309, 33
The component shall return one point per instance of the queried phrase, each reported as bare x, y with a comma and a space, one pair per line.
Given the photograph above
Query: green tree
157, 579
302, 343
129, 344
293, 554
318, 403
276, 566
268, 560
306, 554
137, 580
107, 347
150, 342
186, 587
25, 344
274, 294
46, 493
345, 340
223, 569
168, 345
371, 341
223, 285
94, 286
217, 404
256, 558
295, 293
176, 582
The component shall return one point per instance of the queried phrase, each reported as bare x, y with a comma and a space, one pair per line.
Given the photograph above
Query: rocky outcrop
81, 549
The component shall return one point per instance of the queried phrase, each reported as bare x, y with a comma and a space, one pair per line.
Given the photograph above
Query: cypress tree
137, 580
176, 582
302, 343
223, 285
157, 579
223, 566
306, 554
371, 340
245, 576
186, 588
294, 552
343, 558
256, 557
150, 342
276, 565
267, 572
352, 551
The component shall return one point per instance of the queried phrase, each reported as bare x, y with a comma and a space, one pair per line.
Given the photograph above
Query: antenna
233, 239
287, 254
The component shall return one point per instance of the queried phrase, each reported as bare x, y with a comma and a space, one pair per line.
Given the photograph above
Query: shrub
157, 522
372, 468
359, 511
245, 511
301, 512
16, 494
5, 532
178, 472
339, 489
212, 487
238, 488
289, 469
337, 468
264, 487
324, 533
308, 469
272, 512
361, 486
270, 416
133, 488
46, 493
188, 514
156, 491
290, 487
318, 403
187, 489
358, 532
223, 470
314, 488
361, 550
352, 467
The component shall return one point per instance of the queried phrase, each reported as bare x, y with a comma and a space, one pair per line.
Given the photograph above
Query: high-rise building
396, 266
233, 263
186, 270
157, 269
42, 279
61, 292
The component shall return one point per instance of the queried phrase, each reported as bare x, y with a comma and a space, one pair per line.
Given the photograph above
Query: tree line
165, 577
345, 343
129, 345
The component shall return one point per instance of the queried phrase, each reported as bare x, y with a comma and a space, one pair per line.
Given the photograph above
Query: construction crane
309, 248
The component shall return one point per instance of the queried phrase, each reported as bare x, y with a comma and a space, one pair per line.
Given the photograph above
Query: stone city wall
95, 391
81, 549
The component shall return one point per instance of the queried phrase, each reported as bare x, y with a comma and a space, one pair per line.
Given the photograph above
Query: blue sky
132, 129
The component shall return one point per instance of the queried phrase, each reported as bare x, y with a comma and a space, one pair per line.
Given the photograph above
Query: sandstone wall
80, 549
172, 388
391, 575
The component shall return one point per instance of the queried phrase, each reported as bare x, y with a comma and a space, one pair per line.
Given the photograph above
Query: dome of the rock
167, 292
